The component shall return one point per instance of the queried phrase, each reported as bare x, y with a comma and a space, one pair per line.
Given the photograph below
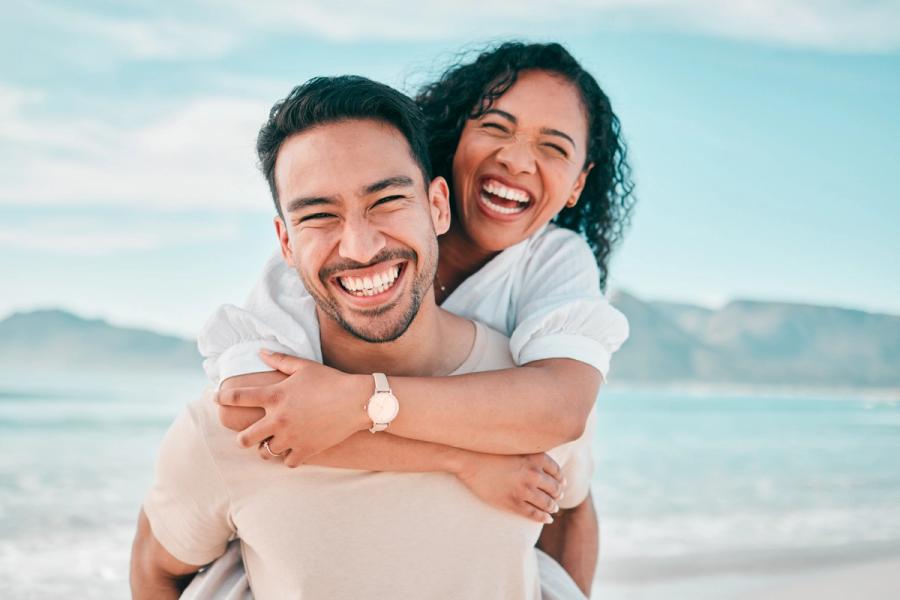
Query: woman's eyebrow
558, 133
502, 113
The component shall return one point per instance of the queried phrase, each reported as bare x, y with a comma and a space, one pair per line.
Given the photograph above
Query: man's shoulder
198, 426
490, 351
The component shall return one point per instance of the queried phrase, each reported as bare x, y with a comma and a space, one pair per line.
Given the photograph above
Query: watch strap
381, 383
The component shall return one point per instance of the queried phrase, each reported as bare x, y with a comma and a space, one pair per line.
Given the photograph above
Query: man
357, 202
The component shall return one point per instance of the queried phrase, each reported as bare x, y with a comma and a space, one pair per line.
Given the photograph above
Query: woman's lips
500, 200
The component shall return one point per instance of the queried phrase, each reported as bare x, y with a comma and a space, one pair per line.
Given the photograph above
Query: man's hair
323, 100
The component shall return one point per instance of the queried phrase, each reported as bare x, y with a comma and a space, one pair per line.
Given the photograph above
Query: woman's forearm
514, 411
384, 452
524, 410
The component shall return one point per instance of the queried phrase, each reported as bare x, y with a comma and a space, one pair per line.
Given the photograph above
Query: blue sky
764, 137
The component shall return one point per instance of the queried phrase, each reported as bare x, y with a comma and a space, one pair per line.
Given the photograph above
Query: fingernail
266, 352
555, 507
548, 519
564, 481
562, 495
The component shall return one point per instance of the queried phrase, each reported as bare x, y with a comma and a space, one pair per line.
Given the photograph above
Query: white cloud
152, 36
95, 237
842, 25
201, 154
204, 29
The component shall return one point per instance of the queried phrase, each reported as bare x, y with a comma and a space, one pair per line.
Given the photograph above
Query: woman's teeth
494, 192
485, 199
369, 286
498, 189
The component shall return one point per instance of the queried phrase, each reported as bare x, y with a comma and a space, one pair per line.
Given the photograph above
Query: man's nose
360, 241
517, 156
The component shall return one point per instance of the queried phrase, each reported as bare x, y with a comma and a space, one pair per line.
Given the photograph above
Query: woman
526, 137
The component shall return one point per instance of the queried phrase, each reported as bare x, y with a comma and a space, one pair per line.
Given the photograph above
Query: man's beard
389, 332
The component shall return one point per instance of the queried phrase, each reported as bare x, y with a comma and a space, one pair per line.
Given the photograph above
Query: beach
700, 496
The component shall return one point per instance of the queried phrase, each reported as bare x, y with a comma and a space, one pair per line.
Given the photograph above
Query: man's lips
371, 281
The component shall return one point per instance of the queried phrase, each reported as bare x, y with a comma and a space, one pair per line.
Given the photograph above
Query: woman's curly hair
466, 90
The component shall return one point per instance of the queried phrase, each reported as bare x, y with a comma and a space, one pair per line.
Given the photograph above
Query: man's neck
436, 343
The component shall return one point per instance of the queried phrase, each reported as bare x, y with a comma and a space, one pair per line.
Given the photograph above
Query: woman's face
518, 165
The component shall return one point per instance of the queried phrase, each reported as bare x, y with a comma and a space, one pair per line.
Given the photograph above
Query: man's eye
387, 199
315, 216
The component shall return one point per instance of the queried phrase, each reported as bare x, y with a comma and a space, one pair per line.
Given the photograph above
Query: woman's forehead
543, 95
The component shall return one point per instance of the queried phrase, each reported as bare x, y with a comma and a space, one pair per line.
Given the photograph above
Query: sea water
690, 488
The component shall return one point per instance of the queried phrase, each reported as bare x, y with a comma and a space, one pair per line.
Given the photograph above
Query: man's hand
529, 485
314, 408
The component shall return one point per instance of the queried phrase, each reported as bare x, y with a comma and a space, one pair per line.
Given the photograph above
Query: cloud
199, 29
198, 154
840, 25
84, 236
161, 35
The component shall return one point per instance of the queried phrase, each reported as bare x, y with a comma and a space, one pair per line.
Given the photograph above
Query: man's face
360, 224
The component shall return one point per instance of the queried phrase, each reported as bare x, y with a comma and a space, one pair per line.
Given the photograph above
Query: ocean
700, 495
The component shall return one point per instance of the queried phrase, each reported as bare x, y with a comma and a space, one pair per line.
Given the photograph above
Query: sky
764, 138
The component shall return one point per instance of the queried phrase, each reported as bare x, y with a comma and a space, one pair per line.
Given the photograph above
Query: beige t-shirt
320, 532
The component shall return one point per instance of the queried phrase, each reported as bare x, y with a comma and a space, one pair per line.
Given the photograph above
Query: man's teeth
501, 209
369, 286
498, 189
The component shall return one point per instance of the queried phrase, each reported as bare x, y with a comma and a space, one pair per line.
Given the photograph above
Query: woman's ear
579, 186
439, 203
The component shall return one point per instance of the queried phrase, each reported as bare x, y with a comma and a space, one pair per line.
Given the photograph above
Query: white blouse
543, 293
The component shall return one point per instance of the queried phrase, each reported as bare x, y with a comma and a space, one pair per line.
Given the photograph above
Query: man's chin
379, 324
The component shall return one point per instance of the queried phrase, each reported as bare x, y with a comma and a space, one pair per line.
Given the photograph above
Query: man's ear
579, 185
284, 239
439, 203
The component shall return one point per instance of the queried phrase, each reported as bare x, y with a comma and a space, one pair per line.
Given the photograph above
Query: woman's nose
517, 156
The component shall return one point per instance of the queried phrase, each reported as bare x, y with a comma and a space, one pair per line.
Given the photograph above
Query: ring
269, 450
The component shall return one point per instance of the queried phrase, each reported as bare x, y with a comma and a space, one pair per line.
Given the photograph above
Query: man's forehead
345, 158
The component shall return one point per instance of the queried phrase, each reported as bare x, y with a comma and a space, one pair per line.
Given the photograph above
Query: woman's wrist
357, 389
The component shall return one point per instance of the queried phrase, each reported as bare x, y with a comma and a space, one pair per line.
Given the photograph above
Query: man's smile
372, 284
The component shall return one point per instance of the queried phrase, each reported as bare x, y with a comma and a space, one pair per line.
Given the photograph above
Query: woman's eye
558, 150
495, 126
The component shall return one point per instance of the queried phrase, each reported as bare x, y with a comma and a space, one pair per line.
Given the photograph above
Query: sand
877, 580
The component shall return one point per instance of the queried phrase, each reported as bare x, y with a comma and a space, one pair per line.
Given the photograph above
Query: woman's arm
528, 485
522, 410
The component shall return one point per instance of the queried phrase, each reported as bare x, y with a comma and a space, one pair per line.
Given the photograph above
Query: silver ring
269, 450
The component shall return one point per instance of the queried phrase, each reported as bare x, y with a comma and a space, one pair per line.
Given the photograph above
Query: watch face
383, 407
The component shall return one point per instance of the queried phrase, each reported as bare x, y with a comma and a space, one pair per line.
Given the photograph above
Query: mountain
51, 338
744, 342
751, 342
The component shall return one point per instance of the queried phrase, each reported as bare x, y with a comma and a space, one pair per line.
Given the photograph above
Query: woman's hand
529, 484
314, 408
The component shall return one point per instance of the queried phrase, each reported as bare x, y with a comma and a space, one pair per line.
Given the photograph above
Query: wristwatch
383, 405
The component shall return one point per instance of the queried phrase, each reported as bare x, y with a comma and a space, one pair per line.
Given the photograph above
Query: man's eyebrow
301, 203
395, 181
557, 132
